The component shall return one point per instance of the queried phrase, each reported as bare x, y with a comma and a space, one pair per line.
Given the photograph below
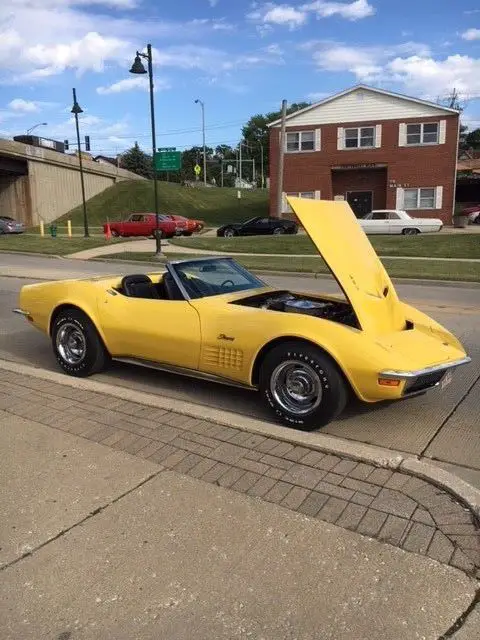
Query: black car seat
139, 286
171, 288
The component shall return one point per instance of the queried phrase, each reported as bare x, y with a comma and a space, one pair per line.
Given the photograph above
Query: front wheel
229, 233
278, 231
76, 344
303, 386
115, 233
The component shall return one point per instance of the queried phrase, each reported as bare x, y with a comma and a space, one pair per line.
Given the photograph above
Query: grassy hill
215, 206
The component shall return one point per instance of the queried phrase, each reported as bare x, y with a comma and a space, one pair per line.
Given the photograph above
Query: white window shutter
400, 199
442, 134
317, 195
340, 138
318, 139
438, 197
402, 134
378, 136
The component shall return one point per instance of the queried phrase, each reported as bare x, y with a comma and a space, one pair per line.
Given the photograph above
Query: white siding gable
363, 105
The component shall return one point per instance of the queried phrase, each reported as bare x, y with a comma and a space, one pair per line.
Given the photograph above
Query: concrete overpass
39, 184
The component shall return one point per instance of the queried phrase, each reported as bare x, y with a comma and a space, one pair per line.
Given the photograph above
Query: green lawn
60, 246
215, 206
431, 270
435, 246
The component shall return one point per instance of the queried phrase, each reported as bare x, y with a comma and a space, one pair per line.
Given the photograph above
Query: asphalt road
444, 426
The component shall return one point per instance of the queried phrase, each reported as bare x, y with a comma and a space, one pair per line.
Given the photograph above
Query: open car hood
344, 246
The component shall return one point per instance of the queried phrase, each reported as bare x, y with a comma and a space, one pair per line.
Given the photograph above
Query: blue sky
239, 57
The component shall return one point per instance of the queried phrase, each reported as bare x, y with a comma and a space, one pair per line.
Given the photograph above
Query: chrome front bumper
423, 379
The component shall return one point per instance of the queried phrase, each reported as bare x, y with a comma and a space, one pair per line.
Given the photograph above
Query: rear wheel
302, 385
410, 232
187, 233
278, 231
114, 233
77, 346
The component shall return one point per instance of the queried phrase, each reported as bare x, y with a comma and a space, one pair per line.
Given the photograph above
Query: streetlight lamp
139, 69
76, 109
204, 147
40, 124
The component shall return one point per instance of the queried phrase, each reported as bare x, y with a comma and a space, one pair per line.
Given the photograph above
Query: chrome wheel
71, 343
278, 231
228, 233
296, 387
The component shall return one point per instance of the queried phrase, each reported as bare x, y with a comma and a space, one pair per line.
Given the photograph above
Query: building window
359, 138
311, 195
301, 141
426, 133
419, 199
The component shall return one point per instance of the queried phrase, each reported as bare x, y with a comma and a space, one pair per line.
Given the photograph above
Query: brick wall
422, 166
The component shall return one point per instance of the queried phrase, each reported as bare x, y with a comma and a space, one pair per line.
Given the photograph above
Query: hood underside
348, 253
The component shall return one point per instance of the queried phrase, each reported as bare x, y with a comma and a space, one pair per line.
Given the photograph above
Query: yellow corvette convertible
211, 318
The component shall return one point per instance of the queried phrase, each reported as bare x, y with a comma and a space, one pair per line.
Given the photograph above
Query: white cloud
42, 38
427, 76
130, 84
25, 106
471, 34
409, 65
349, 10
285, 15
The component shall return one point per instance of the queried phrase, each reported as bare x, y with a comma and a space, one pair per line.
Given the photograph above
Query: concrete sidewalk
124, 521
148, 246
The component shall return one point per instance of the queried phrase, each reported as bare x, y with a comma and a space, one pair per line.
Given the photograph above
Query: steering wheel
229, 282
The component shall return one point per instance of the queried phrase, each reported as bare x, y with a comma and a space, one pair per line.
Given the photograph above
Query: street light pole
202, 104
76, 109
138, 68
40, 124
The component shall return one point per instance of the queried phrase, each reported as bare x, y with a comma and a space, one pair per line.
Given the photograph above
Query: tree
137, 161
256, 133
472, 139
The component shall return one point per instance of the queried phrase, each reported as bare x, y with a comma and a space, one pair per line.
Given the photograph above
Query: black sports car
258, 227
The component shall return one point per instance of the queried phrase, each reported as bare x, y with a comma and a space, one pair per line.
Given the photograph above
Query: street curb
31, 253
370, 454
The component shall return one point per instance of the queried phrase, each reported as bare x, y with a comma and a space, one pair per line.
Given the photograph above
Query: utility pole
201, 103
261, 164
240, 163
281, 157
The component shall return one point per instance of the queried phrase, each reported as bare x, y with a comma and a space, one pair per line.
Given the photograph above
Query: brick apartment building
373, 148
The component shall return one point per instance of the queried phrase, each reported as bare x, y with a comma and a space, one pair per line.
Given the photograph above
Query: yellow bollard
42, 228
69, 228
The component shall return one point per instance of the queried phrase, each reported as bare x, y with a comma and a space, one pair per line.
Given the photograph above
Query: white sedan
396, 221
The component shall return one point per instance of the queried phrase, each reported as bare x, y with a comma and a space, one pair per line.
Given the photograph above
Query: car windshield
213, 277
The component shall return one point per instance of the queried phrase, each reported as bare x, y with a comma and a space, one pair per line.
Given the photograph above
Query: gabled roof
365, 87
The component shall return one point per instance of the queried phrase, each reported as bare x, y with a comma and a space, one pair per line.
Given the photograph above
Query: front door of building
360, 202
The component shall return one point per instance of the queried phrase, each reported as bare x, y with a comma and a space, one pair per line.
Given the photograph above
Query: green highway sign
168, 160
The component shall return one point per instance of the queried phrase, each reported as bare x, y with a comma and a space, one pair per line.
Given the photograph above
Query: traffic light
87, 143
65, 142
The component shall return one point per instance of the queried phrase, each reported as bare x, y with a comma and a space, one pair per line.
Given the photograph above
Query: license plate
446, 380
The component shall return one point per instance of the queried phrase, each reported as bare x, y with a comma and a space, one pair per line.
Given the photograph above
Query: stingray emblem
222, 336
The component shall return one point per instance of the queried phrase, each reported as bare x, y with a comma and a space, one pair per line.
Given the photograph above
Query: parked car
473, 214
192, 226
144, 224
304, 352
396, 221
258, 227
9, 225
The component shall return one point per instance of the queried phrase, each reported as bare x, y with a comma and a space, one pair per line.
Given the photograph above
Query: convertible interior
140, 285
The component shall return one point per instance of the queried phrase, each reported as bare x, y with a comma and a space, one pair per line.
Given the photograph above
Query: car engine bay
284, 301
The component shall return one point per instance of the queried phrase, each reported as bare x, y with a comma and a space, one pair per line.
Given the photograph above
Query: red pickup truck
144, 224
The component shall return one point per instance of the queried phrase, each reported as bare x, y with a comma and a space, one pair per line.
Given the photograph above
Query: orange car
192, 226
